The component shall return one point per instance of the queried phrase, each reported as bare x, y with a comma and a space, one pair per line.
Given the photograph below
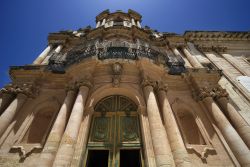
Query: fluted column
5, 100
53, 141
241, 126
194, 62
235, 142
57, 50
159, 137
66, 149
178, 148
43, 55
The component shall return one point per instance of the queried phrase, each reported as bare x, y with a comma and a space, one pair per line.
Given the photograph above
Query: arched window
39, 127
190, 130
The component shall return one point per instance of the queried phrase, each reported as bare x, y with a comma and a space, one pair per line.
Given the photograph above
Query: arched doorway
114, 138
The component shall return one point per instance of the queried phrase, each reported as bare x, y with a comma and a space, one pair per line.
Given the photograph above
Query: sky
25, 24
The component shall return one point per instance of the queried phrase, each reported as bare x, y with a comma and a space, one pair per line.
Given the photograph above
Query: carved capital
84, 82
161, 86
146, 81
29, 90
205, 92
220, 92
71, 87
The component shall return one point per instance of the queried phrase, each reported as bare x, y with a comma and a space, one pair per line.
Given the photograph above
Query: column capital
71, 87
27, 89
220, 92
146, 81
214, 92
85, 82
161, 86
205, 92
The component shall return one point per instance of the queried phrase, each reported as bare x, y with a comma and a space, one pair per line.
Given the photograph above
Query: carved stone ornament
117, 68
205, 92
220, 92
84, 82
116, 79
161, 86
71, 87
117, 71
146, 81
28, 89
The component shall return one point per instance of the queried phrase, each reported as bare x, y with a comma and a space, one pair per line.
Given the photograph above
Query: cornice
216, 36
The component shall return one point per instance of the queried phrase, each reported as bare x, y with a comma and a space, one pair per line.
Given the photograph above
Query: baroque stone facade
125, 95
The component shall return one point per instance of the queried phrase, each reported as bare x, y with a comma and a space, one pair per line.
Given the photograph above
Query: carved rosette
29, 90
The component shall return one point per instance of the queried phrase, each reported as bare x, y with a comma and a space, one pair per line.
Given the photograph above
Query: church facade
125, 95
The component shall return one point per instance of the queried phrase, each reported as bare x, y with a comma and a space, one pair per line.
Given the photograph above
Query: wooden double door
114, 139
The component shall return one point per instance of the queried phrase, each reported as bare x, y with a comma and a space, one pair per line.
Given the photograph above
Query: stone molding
29, 90
212, 48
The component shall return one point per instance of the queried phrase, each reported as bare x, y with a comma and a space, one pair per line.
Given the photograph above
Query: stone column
43, 55
235, 63
194, 62
103, 22
133, 21
177, 53
5, 100
53, 141
231, 113
138, 24
66, 149
178, 148
146, 138
11, 111
234, 141
159, 137
80, 149
57, 50
98, 24
22, 91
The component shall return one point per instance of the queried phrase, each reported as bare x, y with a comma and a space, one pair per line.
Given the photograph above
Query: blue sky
25, 24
